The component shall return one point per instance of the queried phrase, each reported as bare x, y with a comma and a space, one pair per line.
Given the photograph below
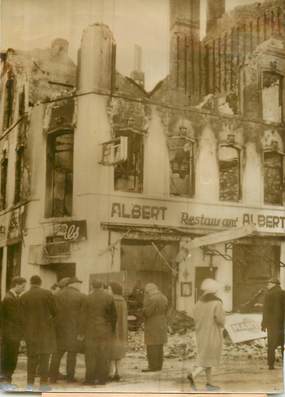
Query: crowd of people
64, 320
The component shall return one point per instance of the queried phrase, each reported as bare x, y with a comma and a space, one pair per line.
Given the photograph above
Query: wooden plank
221, 237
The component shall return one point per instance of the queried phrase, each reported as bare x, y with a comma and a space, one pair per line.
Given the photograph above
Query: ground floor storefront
138, 240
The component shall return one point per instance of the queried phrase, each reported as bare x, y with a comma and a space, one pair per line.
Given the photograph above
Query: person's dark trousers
272, 345
42, 362
70, 365
97, 361
9, 358
154, 357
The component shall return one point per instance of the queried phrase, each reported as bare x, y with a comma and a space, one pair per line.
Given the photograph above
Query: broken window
8, 106
229, 170
128, 174
272, 97
273, 178
181, 154
19, 173
3, 181
59, 174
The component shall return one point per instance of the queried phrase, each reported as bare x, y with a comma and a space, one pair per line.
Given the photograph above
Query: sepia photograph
142, 196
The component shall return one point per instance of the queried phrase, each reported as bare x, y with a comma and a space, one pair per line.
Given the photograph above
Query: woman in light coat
120, 338
209, 321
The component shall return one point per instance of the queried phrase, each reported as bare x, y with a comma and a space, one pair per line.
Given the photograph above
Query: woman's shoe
191, 381
116, 378
210, 387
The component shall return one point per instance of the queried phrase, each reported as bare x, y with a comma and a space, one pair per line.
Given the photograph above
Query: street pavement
234, 375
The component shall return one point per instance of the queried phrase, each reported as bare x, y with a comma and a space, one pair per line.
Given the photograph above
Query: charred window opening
272, 88
59, 174
3, 181
22, 101
8, 107
19, 174
129, 174
181, 153
229, 170
273, 178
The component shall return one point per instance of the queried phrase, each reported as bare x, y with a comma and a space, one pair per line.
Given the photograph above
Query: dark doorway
141, 261
253, 266
13, 263
62, 269
201, 273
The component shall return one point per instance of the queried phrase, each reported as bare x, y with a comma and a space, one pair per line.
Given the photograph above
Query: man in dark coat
273, 319
38, 310
12, 328
69, 301
155, 326
97, 327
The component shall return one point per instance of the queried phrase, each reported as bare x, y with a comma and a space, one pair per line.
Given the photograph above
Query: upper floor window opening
3, 180
272, 97
181, 157
273, 177
8, 103
19, 173
229, 172
59, 177
128, 174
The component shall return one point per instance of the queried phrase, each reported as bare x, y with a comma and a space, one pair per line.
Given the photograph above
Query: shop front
244, 248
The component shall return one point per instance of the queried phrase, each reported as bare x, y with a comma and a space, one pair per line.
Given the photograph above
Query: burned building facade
102, 179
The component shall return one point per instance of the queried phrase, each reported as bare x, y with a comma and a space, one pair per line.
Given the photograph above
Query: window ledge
56, 219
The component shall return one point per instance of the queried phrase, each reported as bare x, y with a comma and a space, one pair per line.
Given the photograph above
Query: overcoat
98, 318
69, 302
120, 337
38, 311
209, 321
273, 315
11, 317
155, 324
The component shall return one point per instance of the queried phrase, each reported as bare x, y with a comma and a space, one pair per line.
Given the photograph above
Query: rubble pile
183, 347
179, 322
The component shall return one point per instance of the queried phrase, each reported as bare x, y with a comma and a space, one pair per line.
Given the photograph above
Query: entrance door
201, 273
253, 266
13, 263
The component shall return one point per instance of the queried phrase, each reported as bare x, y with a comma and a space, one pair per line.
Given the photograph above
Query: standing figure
155, 326
209, 318
273, 319
12, 328
97, 327
69, 301
120, 338
38, 310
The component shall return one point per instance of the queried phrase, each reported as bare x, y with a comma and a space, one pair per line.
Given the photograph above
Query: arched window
59, 180
181, 156
229, 170
273, 177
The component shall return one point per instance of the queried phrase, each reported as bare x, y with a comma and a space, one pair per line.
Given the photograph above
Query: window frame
282, 159
192, 170
130, 133
4, 164
239, 151
50, 157
277, 72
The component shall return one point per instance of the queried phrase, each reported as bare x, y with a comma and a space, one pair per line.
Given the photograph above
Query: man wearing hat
69, 301
273, 319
